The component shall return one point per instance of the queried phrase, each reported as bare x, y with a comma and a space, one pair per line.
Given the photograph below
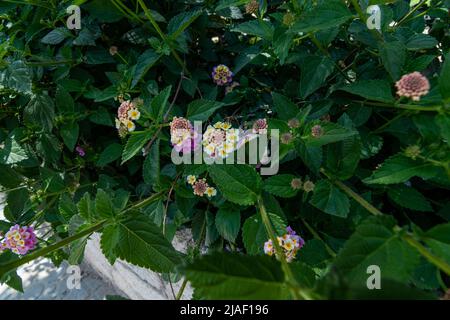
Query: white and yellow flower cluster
220, 140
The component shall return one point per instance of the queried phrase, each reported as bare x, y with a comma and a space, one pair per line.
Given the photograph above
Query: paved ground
43, 281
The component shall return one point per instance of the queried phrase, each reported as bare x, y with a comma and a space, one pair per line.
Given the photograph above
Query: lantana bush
97, 121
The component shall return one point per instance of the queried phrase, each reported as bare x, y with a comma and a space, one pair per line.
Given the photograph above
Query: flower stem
437, 261
297, 293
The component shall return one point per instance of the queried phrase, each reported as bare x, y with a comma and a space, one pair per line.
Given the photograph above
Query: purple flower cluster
19, 240
222, 75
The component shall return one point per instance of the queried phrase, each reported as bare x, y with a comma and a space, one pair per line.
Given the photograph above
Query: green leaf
109, 241
40, 111
103, 204
311, 156
8, 177
12, 152
17, 76
151, 169
443, 122
280, 185
399, 168
254, 233
181, 22
145, 61
421, 41
393, 55
332, 132
377, 90
110, 154
329, 14
315, 70
64, 101
69, 132
374, 243
66, 207
142, 243
135, 144
201, 109
159, 103
438, 239
284, 108
444, 79
240, 184
328, 198
228, 222
409, 197
56, 36
259, 28
86, 207
234, 276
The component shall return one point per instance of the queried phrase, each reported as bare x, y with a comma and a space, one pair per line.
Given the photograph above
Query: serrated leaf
311, 156
332, 132
110, 154
280, 185
444, 79
56, 36
181, 22
17, 76
159, 103
40, 111
103, 204
438, 239
69, 133
11, 152
234, 276
109, 241
135, 144
315, 70
284, 108
393, 55
374, 243
240, 184
329, 14
377, 90
145, 61
409, 197
86, 207
151, 169
228, 222
328, 198
142, 243
259, 28
398, 169
201, 109
421, 41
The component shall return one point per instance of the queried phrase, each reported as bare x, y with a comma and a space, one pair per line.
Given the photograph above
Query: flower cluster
260, 126
220, 140
126, 114
201, 187
19, 240
222, 75
413, 85
183, 136
290, 243
317, 131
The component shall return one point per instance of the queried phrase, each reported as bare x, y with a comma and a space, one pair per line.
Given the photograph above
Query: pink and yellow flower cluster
201, 187
126, 114
290, 243
19, 240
